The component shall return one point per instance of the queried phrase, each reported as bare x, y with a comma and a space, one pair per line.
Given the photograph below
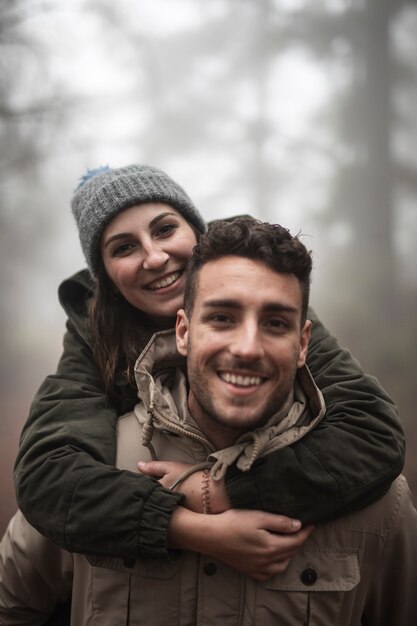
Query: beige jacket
361, 567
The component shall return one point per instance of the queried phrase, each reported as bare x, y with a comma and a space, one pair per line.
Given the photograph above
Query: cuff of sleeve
154, 522
242, 489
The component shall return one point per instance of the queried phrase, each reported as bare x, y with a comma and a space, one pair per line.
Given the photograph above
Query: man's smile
241, 380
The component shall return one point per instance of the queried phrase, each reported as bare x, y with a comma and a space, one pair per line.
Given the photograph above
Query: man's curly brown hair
250, 238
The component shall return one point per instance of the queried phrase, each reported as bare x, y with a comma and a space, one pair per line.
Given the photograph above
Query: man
245, 335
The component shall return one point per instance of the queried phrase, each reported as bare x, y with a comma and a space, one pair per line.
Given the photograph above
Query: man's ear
305, 338
181, 332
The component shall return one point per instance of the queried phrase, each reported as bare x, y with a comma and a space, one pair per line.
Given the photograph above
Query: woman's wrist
186, 529
204, 495
189, 480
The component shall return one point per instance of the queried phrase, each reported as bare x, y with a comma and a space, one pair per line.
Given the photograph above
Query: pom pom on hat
90, 173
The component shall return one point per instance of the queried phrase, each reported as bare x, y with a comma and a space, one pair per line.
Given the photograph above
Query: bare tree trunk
377, 228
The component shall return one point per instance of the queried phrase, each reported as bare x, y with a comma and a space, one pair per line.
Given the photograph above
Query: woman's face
145, 249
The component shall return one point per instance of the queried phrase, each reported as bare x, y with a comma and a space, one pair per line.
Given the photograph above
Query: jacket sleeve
392, 593
35, 575
348, 461
65, 479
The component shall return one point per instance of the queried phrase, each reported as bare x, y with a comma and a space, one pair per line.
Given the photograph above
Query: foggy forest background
303, 113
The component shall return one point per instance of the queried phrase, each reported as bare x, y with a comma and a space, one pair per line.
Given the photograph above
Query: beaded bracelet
205, 492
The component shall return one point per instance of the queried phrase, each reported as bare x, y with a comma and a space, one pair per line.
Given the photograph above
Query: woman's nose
155, 258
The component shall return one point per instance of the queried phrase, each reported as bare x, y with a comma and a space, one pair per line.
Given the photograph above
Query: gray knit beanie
105, 192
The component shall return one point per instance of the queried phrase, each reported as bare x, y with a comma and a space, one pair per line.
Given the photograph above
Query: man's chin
238, 422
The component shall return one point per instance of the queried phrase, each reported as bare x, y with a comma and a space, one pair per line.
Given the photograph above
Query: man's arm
34, 575
392, 595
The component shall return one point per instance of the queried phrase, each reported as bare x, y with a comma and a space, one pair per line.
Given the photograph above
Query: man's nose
246, 343
154, 258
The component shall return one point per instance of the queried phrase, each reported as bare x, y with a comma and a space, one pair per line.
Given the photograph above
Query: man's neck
221, 435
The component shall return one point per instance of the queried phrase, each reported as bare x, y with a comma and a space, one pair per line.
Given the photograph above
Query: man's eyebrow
270, 307
224, 304
275, 307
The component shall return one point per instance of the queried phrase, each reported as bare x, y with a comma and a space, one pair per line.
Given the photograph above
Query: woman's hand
253, 542
168, 471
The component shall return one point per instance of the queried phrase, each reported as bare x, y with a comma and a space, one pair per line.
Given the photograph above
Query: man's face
243, 343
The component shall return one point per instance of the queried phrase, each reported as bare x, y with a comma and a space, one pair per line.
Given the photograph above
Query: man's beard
208, 412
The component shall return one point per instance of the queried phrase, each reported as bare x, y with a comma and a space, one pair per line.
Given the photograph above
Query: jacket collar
162, 389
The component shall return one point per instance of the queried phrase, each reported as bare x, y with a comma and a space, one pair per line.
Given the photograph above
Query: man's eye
221, 318
276, 324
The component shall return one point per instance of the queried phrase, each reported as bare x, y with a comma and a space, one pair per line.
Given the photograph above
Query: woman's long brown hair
118, 333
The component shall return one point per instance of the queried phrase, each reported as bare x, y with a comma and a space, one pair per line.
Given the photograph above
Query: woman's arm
66, 482
66, 487
348, 461
255, 543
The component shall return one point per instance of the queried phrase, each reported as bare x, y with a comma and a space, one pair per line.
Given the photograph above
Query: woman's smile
166, 281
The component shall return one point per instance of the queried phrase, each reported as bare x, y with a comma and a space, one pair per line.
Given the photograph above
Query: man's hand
253, 542
168, 471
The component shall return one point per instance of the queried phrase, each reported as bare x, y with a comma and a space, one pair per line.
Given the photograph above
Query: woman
137, 229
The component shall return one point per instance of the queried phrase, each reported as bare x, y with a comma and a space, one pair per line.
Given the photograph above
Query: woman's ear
181, 332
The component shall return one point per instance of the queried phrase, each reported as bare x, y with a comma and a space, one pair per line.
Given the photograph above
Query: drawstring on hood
147, 434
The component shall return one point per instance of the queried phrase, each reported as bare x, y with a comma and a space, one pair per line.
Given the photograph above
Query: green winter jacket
69, 489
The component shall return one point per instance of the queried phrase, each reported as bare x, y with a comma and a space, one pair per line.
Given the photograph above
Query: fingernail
296, 524
141, 464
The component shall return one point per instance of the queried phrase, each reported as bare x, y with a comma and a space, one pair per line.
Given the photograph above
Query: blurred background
303, 113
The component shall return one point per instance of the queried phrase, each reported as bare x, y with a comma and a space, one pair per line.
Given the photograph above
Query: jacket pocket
315, 571
129, 593
311, 590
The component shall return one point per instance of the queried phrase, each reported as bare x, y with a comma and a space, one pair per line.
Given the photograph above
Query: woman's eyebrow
160, 217
117, 236
152, 223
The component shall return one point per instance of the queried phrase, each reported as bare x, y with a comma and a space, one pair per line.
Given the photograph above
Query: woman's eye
165, 230
122, 249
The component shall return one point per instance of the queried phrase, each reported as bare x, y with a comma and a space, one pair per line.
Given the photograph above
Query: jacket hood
74, 294
162, 389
